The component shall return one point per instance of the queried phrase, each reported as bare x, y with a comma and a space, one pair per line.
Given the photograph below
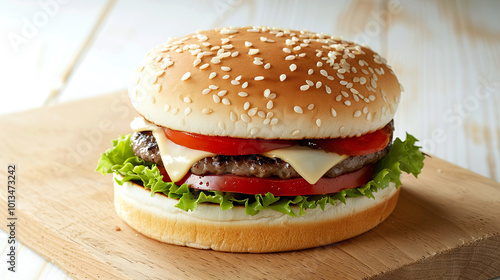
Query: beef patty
145, 147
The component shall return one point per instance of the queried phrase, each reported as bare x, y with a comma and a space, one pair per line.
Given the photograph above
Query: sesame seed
263, 39
235, 82
205, 91
328, 89
166, 108
259, 78
365, 110
269, 104
342, 130
310, 83
310, 71
187, 111
215, 60
235, 54
216, 98
244, 85
222, 93
253, 51
225, 77
349, 85
258, 62
302, 54
213, 87
225, 68
340, 76
266, 121
362, 80
371, 97
347, 103
345, 94
304, 87
232, 116
204, 66
355, 79
227, 47
374, 84
353, 90
343, 83
296, 132
246, 105
267, 92
225, 101
196, 62
187, 100
274, 121
290, 57
318, 122
254, 131
282, 77
356, 98
158, 88
206, 111
261, 114
323, 72
310, 107
287, 50
298, 109
238, 78
267, 66
364, 71
159, 73
334, 113
338, 97
357, 113
186, 76
252, 111
212, 75
248, 44
245, 118
293, 67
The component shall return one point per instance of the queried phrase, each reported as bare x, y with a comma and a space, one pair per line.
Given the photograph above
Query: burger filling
276, 175
146, 147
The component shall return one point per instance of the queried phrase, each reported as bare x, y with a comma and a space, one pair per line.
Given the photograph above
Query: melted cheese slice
311, 164
177, 159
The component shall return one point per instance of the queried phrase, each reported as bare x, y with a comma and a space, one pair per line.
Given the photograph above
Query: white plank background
446, 54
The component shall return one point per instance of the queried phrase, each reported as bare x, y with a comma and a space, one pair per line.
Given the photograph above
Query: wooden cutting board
446, 224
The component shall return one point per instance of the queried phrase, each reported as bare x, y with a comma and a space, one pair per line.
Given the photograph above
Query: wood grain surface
446, 225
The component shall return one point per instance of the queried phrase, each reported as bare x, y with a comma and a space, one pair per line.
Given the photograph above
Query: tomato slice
354, 146
278, 187
225, 145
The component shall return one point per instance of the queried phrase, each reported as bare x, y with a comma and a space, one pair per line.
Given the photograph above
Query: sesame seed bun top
260, 82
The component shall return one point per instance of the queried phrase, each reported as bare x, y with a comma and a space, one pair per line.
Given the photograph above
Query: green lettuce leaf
404, 156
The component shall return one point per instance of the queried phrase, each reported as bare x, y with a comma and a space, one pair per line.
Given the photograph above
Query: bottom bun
209, 227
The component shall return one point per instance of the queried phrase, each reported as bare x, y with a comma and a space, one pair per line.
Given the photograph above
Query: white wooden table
445, 53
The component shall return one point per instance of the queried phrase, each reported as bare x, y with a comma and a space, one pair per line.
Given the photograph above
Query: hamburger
259, 139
